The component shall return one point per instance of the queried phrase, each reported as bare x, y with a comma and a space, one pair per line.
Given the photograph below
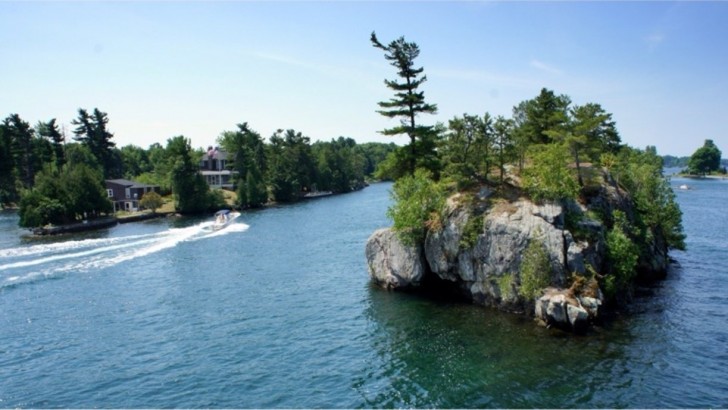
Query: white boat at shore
224, 218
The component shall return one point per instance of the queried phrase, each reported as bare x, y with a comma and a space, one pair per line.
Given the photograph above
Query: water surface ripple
277, 311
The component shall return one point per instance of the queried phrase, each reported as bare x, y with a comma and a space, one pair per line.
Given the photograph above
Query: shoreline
95, 224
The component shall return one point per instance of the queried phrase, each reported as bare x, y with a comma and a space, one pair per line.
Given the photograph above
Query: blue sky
165, 68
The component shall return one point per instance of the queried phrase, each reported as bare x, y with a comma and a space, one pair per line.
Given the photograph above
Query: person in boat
221, 219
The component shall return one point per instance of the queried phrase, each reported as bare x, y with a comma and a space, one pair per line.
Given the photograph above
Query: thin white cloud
654, 40
540, 65
346, 72
481, 76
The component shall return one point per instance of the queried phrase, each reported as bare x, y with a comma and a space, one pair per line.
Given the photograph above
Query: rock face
486, 267
558, 307
392, 264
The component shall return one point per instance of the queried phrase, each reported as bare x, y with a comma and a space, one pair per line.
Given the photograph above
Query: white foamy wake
56, 259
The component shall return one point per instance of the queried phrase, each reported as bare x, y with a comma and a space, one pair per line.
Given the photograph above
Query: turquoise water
277, 311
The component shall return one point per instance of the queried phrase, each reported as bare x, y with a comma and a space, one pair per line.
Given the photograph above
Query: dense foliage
535, 270
622, 254
418, 203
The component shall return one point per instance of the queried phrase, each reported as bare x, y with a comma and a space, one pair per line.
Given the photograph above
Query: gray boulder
392, 264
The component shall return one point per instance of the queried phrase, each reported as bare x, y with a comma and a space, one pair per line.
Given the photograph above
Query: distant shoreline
690, 176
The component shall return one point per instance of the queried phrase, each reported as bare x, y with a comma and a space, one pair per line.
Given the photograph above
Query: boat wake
27, 264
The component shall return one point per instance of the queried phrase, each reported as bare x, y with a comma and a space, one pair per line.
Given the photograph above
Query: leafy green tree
86, 192
394, 165
418, 205
38, 210
256, 191
535, 271
340, 165
408, 102
47, 202
191, 192
705, 159
374, 154
248, 151
75, 192
549, 177
291, 165
135, 161
658, 214
151, 200
161, 171
622, 254
80, 154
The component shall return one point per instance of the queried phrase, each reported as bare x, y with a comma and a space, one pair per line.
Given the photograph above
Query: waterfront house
125, 194
213, 167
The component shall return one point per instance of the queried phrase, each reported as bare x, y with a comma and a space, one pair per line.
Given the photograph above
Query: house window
128, 193
110, 193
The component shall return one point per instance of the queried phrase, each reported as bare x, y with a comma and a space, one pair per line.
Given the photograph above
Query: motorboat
684, 187
223, 218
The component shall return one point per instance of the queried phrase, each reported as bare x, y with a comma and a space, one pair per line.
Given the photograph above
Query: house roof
129, 184
219, 155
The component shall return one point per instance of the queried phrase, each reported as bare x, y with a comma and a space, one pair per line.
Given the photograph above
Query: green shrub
535, 270
473, 227
505, 286
549, 177
151, 200
622, 255
418, 203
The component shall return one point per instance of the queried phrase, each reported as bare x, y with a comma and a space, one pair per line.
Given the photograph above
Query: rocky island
561, 261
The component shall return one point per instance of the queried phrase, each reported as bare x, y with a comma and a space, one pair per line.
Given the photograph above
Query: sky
198, 68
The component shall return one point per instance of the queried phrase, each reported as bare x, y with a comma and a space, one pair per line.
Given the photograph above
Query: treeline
57, 181
289, 166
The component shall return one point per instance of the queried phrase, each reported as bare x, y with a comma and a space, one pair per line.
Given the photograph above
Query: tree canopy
705, 159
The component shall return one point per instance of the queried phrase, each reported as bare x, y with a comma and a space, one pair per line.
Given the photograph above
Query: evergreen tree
503, 143
8, 192
191, 192
248, 151
292, 168
49, 131
544, 113
21, 137
91, 130
407, 102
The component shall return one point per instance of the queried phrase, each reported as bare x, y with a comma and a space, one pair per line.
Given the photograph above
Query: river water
277, 311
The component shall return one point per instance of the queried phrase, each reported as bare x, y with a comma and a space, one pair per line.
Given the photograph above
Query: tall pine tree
408, 101
91, 131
